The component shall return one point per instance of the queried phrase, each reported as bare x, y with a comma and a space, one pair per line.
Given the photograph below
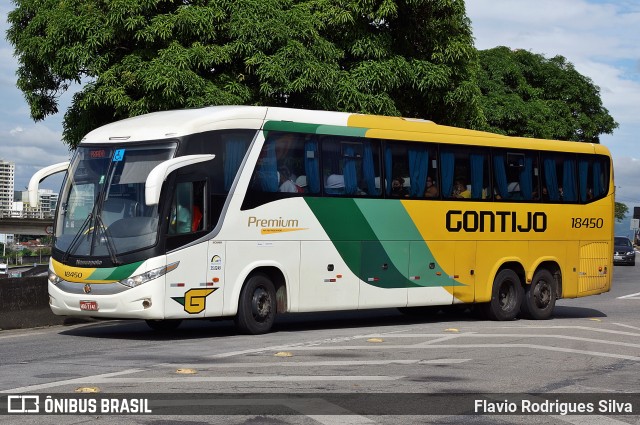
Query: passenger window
593, 177
515, 176
350, 166
288, 164
411, 170
465, 173
187, 208
560, 179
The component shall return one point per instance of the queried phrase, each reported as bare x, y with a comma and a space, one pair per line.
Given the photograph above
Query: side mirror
41, 175
158, 175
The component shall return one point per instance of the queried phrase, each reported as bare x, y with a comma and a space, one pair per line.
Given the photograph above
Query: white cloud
626, 174
600, 38
31, 148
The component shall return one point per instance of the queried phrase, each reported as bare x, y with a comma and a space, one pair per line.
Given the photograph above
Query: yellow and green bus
247, 212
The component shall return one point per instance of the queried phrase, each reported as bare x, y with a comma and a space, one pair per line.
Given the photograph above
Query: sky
600, 37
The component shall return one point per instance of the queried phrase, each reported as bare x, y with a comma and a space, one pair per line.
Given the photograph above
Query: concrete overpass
26, 226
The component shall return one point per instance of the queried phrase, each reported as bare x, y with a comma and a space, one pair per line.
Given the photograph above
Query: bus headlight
138, 280
54, 278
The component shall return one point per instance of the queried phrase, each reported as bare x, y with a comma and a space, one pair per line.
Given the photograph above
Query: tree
621, 211
413, 58
525, 94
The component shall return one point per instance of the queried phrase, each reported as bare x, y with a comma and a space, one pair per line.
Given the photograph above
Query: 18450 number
586, 223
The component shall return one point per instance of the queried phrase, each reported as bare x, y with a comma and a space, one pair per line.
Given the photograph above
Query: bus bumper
141, 302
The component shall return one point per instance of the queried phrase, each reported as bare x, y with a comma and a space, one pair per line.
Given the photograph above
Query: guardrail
42, 215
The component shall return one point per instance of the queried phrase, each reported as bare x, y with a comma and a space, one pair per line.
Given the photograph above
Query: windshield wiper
107, 235
76, 238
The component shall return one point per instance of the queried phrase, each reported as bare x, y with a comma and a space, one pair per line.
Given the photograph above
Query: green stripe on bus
123, 272
397, 232
295, 127
356, 242
101, 273
378, 241
341, 131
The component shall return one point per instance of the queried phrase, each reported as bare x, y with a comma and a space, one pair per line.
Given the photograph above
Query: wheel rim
261, 304
507, 296
542, 294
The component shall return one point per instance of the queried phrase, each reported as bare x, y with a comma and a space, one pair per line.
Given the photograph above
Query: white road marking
287, 363
87, 379
562, 337
444, 361
271, 378
635, 296
252, 365
457, 346
300, 344
627, 326
18, 335
434, 341
585, 328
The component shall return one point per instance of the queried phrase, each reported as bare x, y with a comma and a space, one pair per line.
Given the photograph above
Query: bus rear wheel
540, 296
164, 325
506, 296
257, 306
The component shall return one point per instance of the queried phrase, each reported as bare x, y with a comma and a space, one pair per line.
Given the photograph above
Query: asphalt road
343, 367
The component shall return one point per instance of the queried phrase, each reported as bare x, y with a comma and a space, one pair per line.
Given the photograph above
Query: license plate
89, 305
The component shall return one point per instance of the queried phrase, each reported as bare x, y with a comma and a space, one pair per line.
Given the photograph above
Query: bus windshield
102, 204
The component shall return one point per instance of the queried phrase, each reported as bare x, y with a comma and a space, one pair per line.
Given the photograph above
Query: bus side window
515, 175
187, 208
560, 177
414, 167
284, 159
593, 179
464, 172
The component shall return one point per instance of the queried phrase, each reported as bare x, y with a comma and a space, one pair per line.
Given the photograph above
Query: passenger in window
301, 184
460, 190
544, 195
432, 190
286, 185
180, 219
335, 184
397, 188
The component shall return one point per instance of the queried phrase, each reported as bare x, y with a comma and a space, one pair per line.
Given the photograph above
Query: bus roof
177, 123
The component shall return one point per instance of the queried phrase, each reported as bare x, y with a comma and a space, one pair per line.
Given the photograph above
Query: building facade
7, 182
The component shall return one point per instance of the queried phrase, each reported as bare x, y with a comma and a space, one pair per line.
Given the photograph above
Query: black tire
506, 296
164, 325
257, 306
540, 296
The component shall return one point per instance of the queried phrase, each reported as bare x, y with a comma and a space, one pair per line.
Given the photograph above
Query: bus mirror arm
41, 175
158, 175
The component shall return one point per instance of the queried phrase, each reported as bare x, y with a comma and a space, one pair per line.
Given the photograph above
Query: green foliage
525, 94
413, 58
621, 211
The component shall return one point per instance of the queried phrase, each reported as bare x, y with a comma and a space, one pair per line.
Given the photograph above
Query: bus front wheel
540, 296
506, 296
257, 306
